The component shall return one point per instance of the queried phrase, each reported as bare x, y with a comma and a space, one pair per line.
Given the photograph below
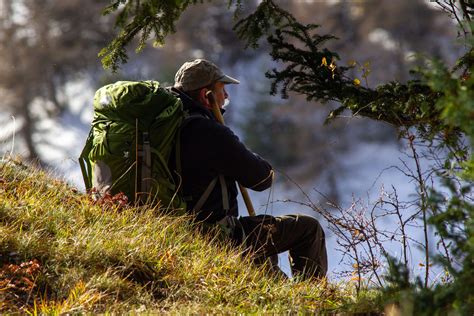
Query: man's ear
203, 97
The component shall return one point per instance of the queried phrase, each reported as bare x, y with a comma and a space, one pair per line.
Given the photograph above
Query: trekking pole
217, 113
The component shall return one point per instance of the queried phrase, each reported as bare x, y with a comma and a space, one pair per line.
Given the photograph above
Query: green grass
61, 253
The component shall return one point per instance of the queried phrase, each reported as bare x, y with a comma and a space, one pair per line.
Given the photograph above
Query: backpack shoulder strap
225, 193
199, 204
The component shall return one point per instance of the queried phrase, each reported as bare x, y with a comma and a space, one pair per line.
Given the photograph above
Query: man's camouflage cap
198, 74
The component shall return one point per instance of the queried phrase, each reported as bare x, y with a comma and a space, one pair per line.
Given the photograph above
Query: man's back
209, 149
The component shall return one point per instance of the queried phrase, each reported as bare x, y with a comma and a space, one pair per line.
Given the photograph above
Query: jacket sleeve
222, 151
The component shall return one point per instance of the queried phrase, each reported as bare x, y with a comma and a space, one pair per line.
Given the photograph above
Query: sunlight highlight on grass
120, 260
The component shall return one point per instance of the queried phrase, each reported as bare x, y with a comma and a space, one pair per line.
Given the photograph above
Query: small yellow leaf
324, 62
352, 63
158, 44
356, 82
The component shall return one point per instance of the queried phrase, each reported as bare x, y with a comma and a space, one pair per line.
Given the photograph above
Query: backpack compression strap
143, 163
85, 163
146, 164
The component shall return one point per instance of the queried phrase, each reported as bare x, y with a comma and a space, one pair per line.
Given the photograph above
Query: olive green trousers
267, 236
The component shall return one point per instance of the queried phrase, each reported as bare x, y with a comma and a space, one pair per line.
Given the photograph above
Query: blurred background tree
43, 46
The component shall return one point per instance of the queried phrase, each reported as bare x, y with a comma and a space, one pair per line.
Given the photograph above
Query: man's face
220, 94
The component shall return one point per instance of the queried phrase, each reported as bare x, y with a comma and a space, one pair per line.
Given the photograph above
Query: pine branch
312, 70
267, 17
141, 18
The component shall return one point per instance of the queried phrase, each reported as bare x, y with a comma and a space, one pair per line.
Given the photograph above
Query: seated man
213, 159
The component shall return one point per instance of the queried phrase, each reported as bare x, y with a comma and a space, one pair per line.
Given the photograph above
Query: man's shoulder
199, 120
198, 125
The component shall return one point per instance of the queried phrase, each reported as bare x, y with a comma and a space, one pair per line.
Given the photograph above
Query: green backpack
134, 131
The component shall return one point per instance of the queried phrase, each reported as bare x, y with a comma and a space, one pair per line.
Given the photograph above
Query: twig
424, 207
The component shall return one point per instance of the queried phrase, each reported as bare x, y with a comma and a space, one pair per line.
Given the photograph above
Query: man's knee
310, 225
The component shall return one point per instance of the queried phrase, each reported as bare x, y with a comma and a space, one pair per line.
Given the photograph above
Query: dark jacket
209, 149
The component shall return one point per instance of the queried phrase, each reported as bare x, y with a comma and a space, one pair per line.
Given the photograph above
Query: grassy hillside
62, 253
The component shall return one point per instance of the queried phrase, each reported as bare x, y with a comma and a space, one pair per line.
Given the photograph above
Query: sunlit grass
120, 260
